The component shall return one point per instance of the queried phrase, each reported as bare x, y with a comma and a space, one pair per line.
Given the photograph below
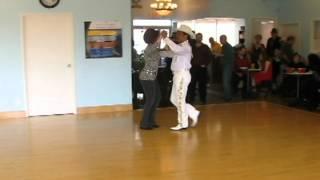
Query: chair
264, 85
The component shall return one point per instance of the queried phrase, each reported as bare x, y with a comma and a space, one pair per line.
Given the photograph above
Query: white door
49, 59
291, 29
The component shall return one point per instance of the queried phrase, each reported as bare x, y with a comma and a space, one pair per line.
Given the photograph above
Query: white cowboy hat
188, 30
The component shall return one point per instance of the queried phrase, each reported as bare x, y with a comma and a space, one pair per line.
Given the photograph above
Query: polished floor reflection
249, 141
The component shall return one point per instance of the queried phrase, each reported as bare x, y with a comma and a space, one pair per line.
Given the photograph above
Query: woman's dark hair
151, 36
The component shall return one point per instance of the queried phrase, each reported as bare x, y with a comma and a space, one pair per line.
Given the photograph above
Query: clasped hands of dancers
181, 53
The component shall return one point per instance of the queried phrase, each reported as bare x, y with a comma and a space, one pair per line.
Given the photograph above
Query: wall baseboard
13, 115
105, 109
81, 110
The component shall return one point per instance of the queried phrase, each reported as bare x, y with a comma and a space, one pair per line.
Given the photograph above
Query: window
140, 27
215, 27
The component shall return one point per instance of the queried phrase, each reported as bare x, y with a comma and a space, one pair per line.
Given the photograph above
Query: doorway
315, 36
263, 26
291, 29
48, 43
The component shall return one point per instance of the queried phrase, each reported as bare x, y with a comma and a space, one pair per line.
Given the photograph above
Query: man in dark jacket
274, 42
202, 57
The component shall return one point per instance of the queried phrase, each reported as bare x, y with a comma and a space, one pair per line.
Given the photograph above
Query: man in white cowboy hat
181, 64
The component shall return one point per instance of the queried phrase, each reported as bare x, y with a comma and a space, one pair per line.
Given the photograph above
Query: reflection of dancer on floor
181, 64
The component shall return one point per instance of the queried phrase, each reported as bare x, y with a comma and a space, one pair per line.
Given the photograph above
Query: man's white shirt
181, 55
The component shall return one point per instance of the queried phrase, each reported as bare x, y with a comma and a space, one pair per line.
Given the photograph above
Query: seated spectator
240, 76
242, 59
288, 87
310, 90
296, 63
314, 62
263, 79
266, 67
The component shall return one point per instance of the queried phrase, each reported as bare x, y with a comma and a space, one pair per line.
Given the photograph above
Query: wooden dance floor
249, 141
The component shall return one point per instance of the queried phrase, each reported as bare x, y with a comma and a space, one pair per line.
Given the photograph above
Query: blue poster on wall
103, 39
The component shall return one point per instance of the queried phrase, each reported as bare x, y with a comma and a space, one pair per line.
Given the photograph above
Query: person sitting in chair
240, 76
311, 90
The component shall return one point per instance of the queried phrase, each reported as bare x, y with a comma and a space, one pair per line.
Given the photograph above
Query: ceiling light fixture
164, 7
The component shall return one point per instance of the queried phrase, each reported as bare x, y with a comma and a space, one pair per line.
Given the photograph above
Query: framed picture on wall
103, 39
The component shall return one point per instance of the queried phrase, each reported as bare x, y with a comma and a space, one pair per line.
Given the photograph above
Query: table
299, 75
249, 71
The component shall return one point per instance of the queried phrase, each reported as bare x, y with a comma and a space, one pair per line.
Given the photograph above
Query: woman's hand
164, 34
158, 42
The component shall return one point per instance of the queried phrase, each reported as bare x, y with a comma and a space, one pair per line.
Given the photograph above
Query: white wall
215, 27
246, 9
99, 82
302, 12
